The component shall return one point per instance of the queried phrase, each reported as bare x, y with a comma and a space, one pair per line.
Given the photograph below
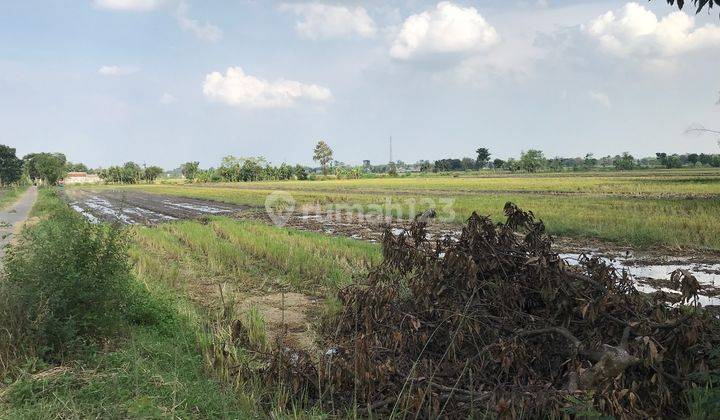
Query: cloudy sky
167, 81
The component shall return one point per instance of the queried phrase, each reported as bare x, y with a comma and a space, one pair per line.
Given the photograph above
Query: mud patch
132, 207
286, 317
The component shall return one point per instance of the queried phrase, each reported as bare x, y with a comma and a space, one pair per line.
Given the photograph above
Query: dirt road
12, 218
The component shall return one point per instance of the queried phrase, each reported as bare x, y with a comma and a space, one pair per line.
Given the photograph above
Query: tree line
50, 168
534, 160
35, 167
243, 169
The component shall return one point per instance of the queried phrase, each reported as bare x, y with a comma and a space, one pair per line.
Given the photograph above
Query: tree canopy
48, 167
323, 154
483, 156
699, 4
190, 170
10, 166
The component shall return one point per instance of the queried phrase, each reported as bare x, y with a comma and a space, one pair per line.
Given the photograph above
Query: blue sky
167, 81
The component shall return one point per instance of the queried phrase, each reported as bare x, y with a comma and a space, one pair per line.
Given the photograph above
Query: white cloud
446, 29
167, 99
132, 5
324, 21
116, 70
204, 31
239, 89
601, 98
636, 32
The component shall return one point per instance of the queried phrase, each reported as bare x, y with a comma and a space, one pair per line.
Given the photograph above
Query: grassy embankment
678, 209
163, 352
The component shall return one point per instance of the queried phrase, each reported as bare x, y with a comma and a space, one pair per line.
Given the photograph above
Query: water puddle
149, 214
85, 214
202, 208
706, 274
105, 207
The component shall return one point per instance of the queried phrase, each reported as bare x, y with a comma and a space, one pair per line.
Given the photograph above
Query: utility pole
390, 150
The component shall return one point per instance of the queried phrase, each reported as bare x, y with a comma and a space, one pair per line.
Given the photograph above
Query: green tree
512, 165
31, 171
498, 163
392, 169
532, 160
131, 173
49, 167
673, 161
589, 162
323, 154
10, 166
483, 157
625, 162
152, 173
190, 170
300, 173
75, 167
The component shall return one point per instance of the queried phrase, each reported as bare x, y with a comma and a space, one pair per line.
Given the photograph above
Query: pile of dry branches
496, 323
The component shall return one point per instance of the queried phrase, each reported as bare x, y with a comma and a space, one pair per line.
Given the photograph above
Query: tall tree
10, 166
323, 154
483, 157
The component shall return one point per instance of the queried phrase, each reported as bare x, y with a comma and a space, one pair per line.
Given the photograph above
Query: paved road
12, 217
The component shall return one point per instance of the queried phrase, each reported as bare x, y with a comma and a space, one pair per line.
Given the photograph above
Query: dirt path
13, 217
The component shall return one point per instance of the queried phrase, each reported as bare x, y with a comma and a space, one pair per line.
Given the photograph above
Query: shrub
67, 283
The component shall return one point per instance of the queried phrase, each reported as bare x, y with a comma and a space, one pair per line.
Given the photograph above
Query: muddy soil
287, 318
650, 268
132, 207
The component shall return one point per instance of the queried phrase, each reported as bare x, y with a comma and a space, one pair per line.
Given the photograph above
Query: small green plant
255, 324
581, 407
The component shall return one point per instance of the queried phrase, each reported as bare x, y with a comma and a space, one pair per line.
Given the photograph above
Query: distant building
81, 178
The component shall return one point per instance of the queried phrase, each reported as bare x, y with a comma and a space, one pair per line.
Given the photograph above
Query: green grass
10, 195
252, 255
209, 266
149, 369
151, 374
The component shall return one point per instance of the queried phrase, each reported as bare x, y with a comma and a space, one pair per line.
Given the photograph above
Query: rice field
675, 208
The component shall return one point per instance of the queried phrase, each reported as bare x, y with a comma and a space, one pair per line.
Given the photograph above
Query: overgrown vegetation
496, 325
66, 284
81, 338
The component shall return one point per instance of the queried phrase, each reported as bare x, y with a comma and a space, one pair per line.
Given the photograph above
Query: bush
67, 283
